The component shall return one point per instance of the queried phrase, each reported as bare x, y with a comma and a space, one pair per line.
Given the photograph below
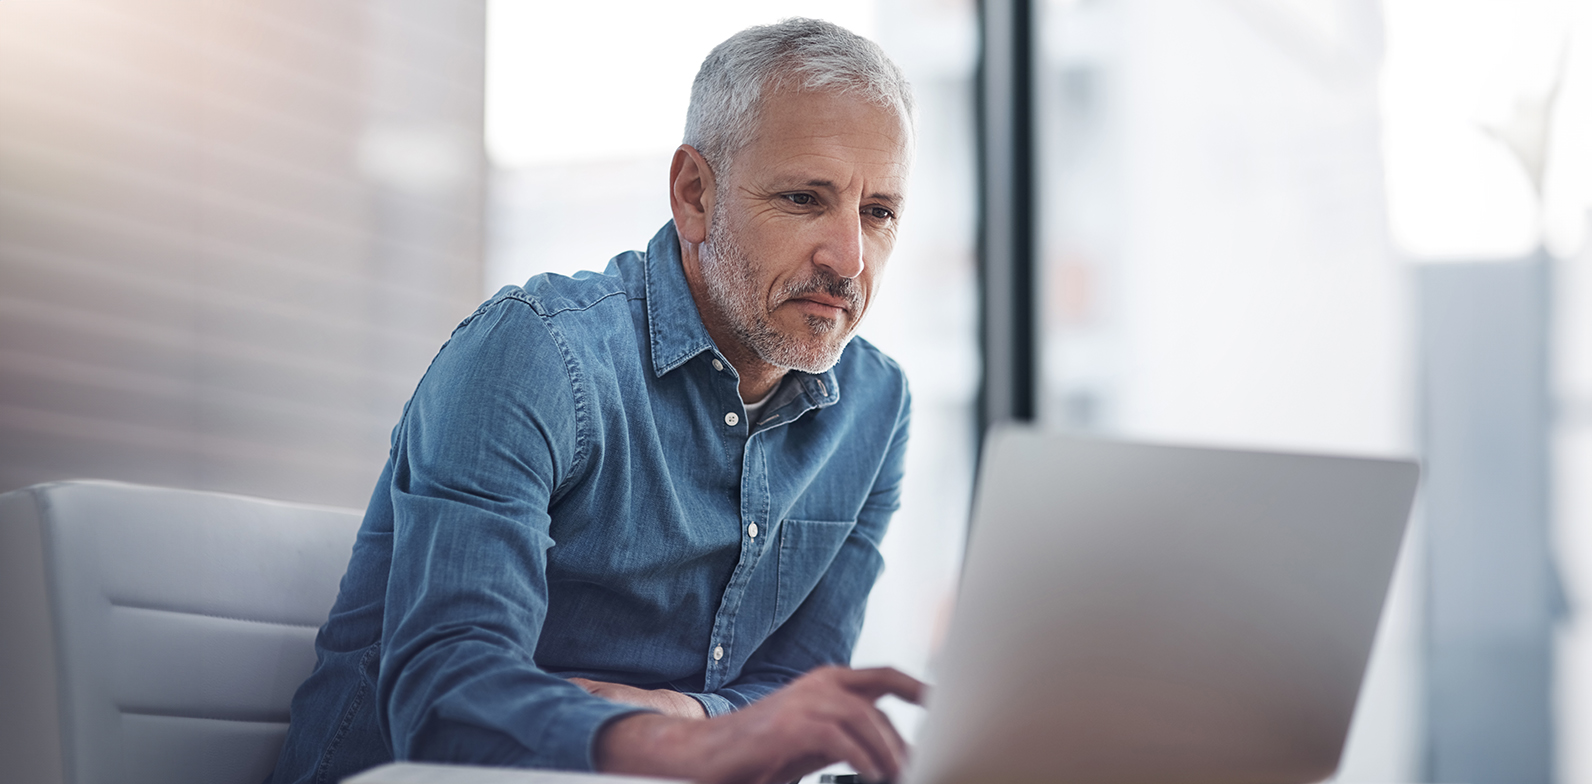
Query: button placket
754, 495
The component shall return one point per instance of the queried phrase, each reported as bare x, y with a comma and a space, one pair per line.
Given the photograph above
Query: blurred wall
232, 234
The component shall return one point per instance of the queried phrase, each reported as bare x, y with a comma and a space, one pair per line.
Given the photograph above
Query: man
629, 521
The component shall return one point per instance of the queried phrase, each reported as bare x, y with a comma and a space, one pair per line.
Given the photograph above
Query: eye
880, 213
801, 199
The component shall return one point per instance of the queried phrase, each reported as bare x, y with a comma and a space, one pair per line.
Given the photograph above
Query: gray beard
732, 288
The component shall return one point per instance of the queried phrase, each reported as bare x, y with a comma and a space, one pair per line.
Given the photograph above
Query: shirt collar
675, 326
677, 333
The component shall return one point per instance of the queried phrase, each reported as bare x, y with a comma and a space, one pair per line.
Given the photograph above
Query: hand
669, 703
826, 716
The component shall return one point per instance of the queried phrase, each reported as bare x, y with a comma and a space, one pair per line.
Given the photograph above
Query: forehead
835, 133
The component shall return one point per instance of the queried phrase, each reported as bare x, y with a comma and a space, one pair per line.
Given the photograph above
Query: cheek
879, 247
874, 273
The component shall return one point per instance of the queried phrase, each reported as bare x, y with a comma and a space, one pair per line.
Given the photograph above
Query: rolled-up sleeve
490, 435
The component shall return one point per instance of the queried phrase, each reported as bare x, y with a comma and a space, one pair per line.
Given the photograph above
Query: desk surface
428, 773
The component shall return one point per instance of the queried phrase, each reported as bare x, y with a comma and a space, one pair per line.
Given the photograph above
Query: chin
811, 344
815, 359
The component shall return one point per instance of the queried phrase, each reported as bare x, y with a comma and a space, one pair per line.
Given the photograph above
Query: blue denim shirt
572, 491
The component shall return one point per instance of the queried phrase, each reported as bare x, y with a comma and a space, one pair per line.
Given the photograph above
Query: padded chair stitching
130, 606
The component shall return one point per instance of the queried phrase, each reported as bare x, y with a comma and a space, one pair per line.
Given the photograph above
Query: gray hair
808, 54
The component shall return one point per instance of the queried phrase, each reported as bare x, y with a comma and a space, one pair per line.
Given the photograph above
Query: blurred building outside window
1487, 115
1236, 201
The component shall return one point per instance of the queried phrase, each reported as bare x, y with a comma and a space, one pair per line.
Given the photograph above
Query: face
801, 227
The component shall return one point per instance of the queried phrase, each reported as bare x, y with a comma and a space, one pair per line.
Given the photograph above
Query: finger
875, 682
873, 732
797, 768
805, 747
844, 745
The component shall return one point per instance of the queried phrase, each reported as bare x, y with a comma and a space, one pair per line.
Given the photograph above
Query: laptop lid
1134, 612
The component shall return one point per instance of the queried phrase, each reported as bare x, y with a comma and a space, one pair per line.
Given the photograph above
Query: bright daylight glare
553, 95
1487, 117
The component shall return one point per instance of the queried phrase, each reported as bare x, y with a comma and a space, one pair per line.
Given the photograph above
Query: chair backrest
151, 635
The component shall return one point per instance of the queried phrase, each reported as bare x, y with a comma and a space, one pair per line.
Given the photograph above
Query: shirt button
718, 652
751, 530
717, 365
732, 418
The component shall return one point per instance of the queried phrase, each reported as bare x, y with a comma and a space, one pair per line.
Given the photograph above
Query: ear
691, 194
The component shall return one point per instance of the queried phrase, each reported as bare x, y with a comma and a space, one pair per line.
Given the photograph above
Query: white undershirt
753, 409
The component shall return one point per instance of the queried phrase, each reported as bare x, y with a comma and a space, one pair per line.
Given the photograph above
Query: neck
754, 385
758, 378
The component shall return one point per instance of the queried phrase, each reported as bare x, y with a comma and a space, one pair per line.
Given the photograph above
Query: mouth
822, 305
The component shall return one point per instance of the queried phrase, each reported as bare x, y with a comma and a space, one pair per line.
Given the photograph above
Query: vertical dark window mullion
1007, 266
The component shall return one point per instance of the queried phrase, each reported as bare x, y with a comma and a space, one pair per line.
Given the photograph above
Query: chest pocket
806, 547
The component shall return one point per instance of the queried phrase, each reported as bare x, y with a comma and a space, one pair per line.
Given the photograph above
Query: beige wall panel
204, 279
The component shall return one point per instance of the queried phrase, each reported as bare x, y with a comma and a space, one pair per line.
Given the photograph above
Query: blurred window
1215, 263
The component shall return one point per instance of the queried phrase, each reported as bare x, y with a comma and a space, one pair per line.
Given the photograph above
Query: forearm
649, 745
826, 716
740, 694
665, 701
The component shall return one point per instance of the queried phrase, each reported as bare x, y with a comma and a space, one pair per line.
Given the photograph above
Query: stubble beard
733, 289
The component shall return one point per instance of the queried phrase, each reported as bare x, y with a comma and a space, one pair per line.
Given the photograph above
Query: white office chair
156, 636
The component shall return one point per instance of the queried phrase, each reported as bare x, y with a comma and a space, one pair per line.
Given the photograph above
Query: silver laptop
1141, 613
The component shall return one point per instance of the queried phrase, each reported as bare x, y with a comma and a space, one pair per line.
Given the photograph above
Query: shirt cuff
570, 737
712, 703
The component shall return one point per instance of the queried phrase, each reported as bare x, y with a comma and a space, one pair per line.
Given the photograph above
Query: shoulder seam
542, 308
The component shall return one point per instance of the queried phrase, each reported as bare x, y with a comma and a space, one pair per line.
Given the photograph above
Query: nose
840, 248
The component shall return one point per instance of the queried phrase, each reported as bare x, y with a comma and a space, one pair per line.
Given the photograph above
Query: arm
482, 448
665, 701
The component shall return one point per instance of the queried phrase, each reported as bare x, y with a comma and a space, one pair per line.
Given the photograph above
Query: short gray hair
808, 54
